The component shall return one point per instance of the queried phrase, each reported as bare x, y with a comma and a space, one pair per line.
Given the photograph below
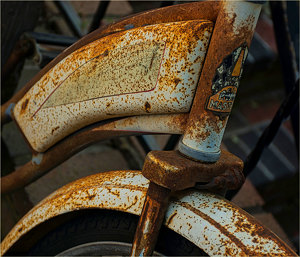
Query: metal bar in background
71, 17
290, 102
269, 133
287, 56
99, 15
52, 39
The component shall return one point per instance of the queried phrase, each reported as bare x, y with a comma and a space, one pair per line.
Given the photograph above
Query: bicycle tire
100, 229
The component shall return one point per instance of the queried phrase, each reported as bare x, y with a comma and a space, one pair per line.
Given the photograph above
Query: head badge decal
226, 81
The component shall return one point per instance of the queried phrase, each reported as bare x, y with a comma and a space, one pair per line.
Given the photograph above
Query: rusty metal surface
226, 230
41, 163
123, 191
150, 221
211, 222
138, 73
207, 10
88, 85
172, 170
183, 12
219, 79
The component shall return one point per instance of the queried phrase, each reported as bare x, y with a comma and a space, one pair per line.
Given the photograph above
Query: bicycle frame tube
219, 80
41, 163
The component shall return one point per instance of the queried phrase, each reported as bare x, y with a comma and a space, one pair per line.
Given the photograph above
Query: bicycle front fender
212, 223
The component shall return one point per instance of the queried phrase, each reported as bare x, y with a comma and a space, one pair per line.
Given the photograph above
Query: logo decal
226, 81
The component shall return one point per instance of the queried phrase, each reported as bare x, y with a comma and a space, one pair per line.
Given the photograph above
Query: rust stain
91, 197
114, 192
105, 53
176, 81
233, 238
134, 203
147, 107
171, 218
24, 105
54, 129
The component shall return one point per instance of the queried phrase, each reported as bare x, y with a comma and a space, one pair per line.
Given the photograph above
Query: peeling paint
37, 159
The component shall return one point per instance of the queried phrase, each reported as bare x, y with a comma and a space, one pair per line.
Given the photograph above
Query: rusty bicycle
173, 70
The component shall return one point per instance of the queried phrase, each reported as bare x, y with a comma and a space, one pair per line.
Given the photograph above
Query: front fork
199, 159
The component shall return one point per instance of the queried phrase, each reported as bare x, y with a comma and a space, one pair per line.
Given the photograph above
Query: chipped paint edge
188, 213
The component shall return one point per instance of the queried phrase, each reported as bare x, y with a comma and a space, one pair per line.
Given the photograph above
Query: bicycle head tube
219, 80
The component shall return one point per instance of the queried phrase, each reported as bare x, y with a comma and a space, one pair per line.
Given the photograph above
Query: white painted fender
210, 222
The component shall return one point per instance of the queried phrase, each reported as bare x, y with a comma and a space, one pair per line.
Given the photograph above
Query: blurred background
36, 32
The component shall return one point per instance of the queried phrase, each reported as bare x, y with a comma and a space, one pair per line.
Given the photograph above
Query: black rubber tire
108, 226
